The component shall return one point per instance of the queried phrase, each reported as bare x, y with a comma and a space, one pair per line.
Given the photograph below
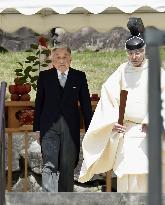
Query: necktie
62, 79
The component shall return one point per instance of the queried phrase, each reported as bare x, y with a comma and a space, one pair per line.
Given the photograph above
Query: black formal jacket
52, 101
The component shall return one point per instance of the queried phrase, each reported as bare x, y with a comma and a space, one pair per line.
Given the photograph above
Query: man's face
61, 59
136, 57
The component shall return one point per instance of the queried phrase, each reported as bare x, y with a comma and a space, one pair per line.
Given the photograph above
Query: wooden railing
2, 143
13, 127
10, 132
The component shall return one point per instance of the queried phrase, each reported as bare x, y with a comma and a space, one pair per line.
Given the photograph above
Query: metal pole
1, 191
153, 40
155, 125
3, 182
2, 143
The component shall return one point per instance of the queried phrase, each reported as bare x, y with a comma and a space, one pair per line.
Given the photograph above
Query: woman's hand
119, 128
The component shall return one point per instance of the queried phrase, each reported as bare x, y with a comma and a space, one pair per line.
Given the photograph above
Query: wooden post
25, 188
24, 129
108, 181
9, 180
123, 99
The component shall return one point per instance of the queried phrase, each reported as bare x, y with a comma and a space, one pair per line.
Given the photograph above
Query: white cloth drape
132, 183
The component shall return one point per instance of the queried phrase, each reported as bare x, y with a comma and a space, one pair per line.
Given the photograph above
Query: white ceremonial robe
104, 149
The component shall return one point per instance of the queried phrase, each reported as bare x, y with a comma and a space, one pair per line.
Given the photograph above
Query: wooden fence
26, 130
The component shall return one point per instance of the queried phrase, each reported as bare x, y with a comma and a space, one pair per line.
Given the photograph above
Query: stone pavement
77, 199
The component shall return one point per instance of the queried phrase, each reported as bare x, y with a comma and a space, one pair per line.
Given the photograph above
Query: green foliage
98, 66
30, 67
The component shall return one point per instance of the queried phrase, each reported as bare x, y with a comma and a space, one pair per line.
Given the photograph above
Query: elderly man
57, 120
109, 145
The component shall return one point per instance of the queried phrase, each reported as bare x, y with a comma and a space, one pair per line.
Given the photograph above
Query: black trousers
59, 157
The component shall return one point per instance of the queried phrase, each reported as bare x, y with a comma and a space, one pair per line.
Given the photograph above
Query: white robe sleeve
98, 157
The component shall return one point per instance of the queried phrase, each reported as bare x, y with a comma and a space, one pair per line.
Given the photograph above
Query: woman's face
136, 57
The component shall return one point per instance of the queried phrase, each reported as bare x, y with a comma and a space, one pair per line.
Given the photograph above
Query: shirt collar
59, 72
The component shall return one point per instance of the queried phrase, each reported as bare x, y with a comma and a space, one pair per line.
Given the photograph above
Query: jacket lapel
55, 81
68, 82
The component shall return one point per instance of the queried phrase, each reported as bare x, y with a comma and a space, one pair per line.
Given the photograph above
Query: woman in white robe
108, 145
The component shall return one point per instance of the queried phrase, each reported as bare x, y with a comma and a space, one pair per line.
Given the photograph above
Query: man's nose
61, 60
133, 55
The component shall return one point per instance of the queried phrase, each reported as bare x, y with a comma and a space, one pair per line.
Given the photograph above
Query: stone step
76, 198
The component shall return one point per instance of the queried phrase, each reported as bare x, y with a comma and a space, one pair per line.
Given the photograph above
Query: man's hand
119, 128
37, 136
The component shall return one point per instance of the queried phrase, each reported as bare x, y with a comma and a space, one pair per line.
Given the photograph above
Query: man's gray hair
62, 47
